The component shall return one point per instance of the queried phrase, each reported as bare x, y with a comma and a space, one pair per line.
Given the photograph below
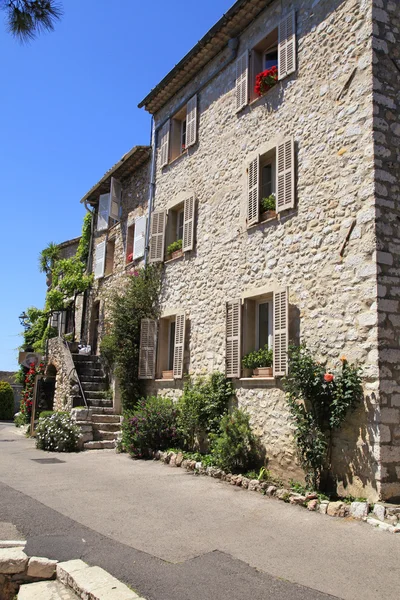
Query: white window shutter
147, 349
191, 122
164, 144
157, 236
100, 260
139, 237
285, 173
242, 80
104, 212
115, 201
188, 223
253, 192
281, 331
179, 346
287, 46
233, 336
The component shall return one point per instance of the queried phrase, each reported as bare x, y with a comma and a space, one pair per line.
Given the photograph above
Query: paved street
174, 536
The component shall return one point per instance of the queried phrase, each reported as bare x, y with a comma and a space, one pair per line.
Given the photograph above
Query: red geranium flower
328, 377
266, 80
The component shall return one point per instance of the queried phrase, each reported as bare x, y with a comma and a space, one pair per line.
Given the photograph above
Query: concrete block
41, 567
95, 583
12, 560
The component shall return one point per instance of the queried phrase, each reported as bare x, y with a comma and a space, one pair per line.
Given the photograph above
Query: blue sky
68, 112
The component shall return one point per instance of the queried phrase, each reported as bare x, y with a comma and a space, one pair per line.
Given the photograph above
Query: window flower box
266, 80
268, 214
258, 363
263, 372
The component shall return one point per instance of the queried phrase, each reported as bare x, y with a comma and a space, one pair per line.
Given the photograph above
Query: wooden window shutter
285, 188
191, 122
139, 237
179, 346
100, 260
164, 144
147, 350
115, 202
253, 192
233, 335
281, 331
104, 212
157, 236
242, 76
287, 46
188, 223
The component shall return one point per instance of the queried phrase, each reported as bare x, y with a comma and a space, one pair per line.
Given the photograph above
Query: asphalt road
174, 536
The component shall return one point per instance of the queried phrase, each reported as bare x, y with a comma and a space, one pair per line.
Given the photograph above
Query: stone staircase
106, 425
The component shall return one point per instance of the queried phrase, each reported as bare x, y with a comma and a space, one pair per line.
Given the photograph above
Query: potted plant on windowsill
167, 374
268, 207
266, 80
174, 250
258, 362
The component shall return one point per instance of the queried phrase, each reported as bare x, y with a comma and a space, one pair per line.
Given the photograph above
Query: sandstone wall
333, 300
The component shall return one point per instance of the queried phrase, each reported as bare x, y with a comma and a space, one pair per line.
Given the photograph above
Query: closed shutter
287, 46
242, 76
157, 236
179, 346
139, 237
253, 192
233, 333
164, 144
104, 212
281, 331
100, 260
188, 223
115, 203
285, 188
191, 122
147, 351
54, 319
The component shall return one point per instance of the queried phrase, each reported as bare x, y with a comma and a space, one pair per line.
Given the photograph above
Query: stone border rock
16, 569
383, 516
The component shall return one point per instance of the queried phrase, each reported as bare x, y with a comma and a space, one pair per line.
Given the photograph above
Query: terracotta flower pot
247, 373
262, 372
167, 374
176, 254
268, 214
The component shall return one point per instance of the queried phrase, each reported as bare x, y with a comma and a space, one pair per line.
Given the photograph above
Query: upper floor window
174, 230
135, 239
179, 132
109, 206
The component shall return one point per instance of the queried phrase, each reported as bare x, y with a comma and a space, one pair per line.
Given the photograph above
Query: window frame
270, 332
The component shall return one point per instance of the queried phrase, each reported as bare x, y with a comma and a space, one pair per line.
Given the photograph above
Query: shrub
259, 358
57, 433
20, 419
235, 449
201, 406
174, 246
151, 426
6, 401
47, 413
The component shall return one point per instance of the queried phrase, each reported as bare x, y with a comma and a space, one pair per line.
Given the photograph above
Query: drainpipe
233, 45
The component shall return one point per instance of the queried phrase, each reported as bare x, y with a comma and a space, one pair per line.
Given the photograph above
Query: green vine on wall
319, 401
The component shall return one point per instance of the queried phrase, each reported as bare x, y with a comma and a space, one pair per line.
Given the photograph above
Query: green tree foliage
26, 18
48, 257
138, 301
319, 401
6, 401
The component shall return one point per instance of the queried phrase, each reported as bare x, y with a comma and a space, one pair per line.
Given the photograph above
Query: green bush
20, 419
201, 406
235, 448
174, 246
259, 358
151, 426
47, 413
57, 433
6, 401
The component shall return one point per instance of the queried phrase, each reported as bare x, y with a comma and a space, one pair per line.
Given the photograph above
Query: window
270, 182
278, 49
253, 323
130, 234
110, 251
168, 229
109, 206
99, 260
179, 132
162, 355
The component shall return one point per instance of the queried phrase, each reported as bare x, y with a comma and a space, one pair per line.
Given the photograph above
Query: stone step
46, 590
106, 426
107, 418
102, 436
96, 395
103, 410
98, 386
92, 403
99, 445
90, 371
85, 358
91, 378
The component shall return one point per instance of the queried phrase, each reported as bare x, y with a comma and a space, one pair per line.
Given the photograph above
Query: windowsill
164, 380
170, 260
263, 222
271, 379
171, 162
133, 262
256, 101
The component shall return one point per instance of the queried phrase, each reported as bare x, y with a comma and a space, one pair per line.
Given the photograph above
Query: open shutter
115, 202
179, 346
242, 76
188, 223
147, 351
281, 331
191, 122
104, 212
100, 259
157, 236
285, 189
287, 46
139, 237
164, 144
253, 192
233, 334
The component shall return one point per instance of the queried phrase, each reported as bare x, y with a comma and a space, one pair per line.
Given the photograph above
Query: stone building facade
325, 141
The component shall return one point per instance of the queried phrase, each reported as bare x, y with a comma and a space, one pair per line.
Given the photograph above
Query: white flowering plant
57, 433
